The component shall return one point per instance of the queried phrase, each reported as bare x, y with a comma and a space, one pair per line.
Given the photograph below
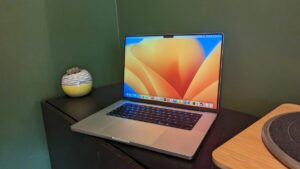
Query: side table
71, 150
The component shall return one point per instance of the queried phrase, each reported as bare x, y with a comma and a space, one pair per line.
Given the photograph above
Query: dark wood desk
73, 150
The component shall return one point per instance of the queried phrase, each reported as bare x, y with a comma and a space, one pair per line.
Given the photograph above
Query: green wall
26, 77
261, 52
39, 39
85, 33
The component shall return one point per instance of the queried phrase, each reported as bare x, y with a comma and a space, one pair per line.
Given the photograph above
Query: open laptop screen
180, 69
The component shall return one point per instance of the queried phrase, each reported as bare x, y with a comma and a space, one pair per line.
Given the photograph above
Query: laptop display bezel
181, 106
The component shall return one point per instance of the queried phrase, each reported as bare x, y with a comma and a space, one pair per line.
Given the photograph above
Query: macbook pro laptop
171, 94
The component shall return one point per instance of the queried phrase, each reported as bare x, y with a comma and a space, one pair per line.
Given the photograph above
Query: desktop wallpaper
181, 69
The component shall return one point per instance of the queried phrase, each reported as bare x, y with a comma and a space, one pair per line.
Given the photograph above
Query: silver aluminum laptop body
169, 140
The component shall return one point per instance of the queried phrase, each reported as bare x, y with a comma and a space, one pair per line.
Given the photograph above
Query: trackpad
187, 144
135, 131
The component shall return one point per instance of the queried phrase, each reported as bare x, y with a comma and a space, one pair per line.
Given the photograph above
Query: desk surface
227, 124
246, 150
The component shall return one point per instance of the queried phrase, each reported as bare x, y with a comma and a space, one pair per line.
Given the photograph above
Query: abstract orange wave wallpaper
185, 68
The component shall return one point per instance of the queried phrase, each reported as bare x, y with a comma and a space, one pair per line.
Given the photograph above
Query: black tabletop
227, 124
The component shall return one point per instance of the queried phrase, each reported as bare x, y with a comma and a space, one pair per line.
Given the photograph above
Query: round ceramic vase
78, 84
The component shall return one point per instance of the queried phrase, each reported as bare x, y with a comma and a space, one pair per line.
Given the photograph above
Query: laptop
171, 94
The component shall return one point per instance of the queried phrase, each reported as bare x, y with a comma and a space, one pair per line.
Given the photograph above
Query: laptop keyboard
161, 116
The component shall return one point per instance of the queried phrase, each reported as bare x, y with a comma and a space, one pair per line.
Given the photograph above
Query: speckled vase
77, 84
